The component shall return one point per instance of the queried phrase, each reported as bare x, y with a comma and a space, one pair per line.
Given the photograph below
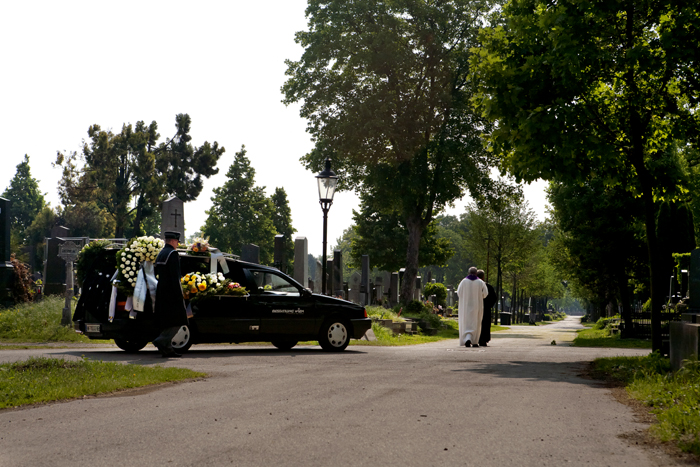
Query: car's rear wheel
284, 345
131, 345
334, 335
182, 341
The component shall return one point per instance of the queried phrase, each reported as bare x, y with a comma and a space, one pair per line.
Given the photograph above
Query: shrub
415, 307
439, 290
22, 282
547, 317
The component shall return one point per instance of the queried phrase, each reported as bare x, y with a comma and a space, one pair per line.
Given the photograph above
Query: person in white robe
471, 293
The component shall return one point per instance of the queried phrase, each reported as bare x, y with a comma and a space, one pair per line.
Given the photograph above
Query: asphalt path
520, 401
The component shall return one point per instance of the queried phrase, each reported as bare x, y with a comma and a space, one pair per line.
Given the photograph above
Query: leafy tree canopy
602, 88
282, 220
385, 87
26, 199
241, 213
129, 166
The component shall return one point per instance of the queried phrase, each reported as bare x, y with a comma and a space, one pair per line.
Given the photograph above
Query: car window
268, 282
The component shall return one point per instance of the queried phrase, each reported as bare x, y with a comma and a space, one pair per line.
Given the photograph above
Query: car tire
131, 345
183, 340
334, 335
284, 345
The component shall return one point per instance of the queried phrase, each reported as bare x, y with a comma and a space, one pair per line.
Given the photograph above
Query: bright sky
68, 65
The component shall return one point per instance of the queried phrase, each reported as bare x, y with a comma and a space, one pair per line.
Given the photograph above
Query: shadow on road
570, 372
152, 356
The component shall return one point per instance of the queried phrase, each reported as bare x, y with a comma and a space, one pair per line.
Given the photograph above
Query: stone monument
54, 267
173, 214
365, 291
301, 263
250, 253
338, 274
68, 252
6, 268
279, 256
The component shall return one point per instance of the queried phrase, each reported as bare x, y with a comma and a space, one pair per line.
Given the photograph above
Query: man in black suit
489, 302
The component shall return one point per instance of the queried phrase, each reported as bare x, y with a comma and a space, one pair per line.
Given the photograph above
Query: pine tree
241, 213
282, 220
26, 199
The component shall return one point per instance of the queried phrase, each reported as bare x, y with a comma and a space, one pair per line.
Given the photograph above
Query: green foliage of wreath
89, 258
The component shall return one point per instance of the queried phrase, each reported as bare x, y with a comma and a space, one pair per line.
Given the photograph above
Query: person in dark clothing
170, 311
489, 302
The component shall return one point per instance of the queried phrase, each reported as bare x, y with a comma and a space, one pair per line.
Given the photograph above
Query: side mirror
307, 292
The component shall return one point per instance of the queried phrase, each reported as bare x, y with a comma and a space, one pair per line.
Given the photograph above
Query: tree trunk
408, 283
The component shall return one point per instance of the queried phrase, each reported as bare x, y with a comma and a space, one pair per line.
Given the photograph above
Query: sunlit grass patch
674, 397
48, 379
38, 322
591, 337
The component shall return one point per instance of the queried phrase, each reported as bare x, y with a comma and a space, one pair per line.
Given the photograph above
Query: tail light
365, 310
121, 306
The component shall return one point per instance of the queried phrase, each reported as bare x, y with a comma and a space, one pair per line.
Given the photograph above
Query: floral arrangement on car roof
196, 286
199, 247
130, 257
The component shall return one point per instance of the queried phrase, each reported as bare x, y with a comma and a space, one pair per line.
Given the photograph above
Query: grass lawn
673, 397
594, 335
49, 379
39, 322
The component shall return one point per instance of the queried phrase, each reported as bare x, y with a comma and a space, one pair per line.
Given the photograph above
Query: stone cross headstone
279, 258
354, 287
301, 263
55, 267
173, 214
68, 252
394, 289
6, 268
250, 253
338, 273
365, 291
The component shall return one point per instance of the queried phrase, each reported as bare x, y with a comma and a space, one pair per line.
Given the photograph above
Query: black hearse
277, 309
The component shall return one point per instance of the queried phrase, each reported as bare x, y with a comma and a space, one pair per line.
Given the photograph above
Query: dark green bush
437, 289
414, 307
547, 317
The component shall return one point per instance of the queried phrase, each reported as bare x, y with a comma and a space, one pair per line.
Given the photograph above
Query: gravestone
250, 253
173, 214
354, 294
329, 277
301, 263
6, 268
318, 277
694, 281
378, 289
311, 265
279, 253
55, 267
429, 277
338, 273
418, 290
394, 289
365, 290
450, 298
68, 252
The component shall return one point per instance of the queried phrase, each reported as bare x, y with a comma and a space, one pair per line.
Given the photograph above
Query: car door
284, 309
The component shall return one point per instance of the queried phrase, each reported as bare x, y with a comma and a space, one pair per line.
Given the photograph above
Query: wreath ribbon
145, 282
217, 257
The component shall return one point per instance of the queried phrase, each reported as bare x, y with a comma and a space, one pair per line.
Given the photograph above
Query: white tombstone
173, 217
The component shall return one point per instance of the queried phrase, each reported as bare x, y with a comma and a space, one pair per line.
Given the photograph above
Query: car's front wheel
334, 335
182, 341
284, 345
131, 345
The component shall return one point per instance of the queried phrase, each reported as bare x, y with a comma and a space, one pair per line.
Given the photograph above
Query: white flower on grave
123, 253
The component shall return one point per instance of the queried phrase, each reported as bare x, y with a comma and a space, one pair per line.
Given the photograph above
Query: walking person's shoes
475, 345
483, 345
468, 344
171, 354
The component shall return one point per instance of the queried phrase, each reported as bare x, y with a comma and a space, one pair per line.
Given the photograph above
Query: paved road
520, 402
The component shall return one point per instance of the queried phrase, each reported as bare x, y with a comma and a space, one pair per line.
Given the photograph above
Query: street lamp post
327, 181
